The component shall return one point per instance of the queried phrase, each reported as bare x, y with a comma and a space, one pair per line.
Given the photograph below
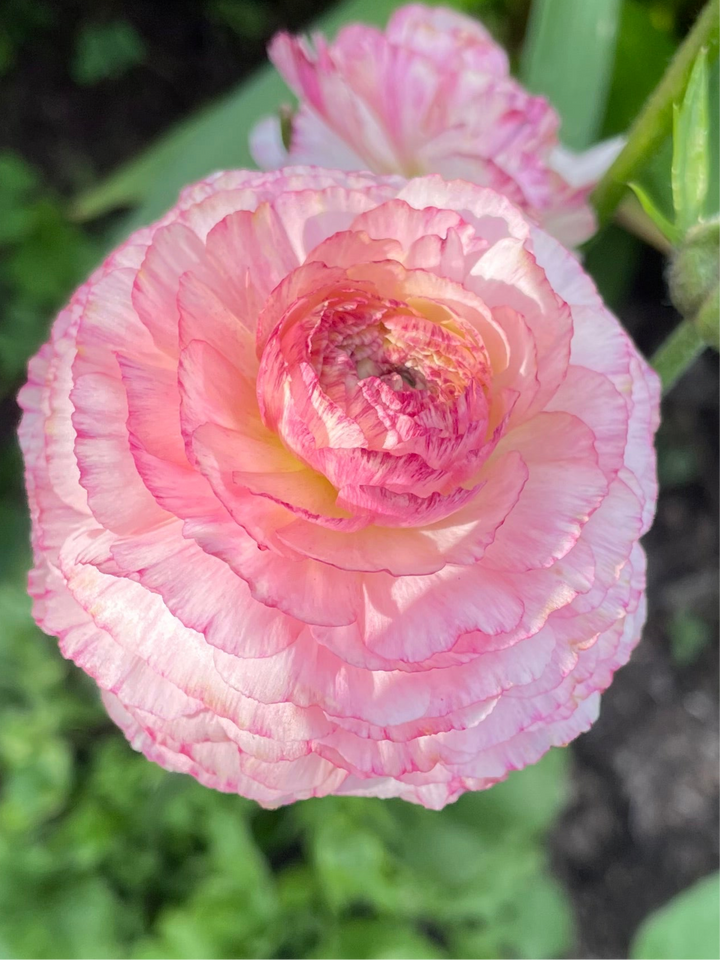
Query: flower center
388, 399
362, 339
396, 377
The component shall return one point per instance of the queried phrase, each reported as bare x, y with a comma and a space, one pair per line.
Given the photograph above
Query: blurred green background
606, 849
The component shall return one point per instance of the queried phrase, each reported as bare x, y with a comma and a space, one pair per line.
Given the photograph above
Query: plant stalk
672, 359
631, 216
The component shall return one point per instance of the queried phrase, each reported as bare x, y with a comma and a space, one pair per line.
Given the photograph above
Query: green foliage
666, 228
691, 157
677, 188
689, 635
645, 46
577, 81
687, 928
678, 461
247, 18
105, 52
381, 939
712, 201
42, 257
21, 20
643, 50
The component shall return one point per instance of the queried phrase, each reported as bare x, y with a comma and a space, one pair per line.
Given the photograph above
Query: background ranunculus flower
432, 94
336, 486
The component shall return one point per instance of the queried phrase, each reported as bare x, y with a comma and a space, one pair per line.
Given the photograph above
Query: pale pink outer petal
586, 168
445, 34
313, 142
614, 356
266, 144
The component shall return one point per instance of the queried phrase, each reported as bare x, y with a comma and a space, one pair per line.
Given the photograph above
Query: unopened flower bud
694, 276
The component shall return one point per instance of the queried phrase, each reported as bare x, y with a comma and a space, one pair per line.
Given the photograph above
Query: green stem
673, 358
655, 119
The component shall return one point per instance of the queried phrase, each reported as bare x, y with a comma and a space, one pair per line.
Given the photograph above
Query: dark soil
643, 820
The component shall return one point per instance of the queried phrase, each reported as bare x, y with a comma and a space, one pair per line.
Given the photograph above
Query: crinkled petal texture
432, 94
337, 483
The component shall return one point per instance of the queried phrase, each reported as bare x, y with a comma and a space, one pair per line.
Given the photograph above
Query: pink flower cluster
337, 479
432, 94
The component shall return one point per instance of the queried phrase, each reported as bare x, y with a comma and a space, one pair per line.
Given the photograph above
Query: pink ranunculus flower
432, 94
336, 486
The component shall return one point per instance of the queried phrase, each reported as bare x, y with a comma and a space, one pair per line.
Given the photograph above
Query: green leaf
526, 802
568, 57
249, 19
18, 183
214, 139
712, 201
80, 918
105, 51
689, 635
377, 940
537, 925
542, 926
691, 155
642, 54
668, 230
352, 862
43, 258
37, 779
687, 928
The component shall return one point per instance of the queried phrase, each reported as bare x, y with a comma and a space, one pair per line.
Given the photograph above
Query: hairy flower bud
694, 279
